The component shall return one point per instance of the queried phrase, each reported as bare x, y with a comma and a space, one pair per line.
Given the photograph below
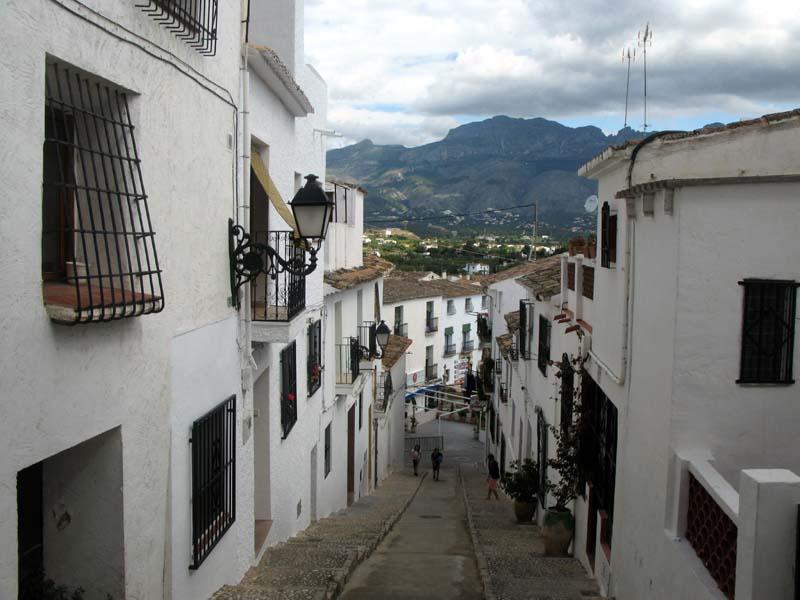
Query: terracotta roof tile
545, 280
373, 268
395, 348
516, 271
410, 285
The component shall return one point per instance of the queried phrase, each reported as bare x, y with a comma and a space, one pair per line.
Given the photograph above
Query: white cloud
404, 72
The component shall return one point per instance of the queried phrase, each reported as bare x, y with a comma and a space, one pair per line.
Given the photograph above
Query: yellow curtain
260, 169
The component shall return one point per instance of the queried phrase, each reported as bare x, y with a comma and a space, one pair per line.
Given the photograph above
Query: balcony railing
385, 391
367, 340
282, 297
513, 352
484, 329
486, 372
348, 355
468, 346
449, 349
431, 372
401, 329
431, 324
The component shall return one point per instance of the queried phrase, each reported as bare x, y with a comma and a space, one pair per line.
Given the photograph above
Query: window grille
314, 357
348, 367
544, 344
327, 449
541, 454
567, 393
768, 331
712, 535
213, 478
193, 21
288, 388
608, 233
587, 282
99, 260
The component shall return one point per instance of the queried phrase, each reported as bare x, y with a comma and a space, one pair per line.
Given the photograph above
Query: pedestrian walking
493, 478
436, 461
415, 455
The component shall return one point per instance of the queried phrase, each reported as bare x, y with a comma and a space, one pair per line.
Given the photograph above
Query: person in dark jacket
493, 478
436, 461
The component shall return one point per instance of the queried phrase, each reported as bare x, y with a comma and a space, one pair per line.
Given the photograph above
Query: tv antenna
645, 40
628, 55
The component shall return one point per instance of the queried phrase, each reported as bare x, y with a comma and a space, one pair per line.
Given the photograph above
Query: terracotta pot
525, 511
559, 526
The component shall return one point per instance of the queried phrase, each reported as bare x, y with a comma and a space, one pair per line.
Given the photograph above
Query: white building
358, 446
110, 111
440, 316
685, 360
477, 269
694, 346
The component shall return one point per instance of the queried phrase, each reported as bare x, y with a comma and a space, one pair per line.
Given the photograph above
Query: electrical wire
450, 216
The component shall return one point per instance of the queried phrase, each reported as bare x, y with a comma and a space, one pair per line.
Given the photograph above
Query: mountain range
496, 163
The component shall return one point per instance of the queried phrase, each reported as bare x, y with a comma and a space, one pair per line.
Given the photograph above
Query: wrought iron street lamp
382, 334
312, 209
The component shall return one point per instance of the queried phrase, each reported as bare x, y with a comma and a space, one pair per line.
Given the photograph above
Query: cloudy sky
406, 71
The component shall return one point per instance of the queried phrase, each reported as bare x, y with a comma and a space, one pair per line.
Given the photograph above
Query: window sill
69, 303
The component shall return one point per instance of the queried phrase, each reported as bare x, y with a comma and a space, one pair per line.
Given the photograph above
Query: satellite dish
591, 204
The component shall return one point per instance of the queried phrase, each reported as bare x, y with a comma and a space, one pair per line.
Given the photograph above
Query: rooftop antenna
645, 40
628, 55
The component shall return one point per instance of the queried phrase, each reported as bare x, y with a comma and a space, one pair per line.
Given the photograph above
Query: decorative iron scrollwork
249, 259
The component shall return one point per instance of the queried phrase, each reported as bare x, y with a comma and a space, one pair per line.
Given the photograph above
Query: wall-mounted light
312, 210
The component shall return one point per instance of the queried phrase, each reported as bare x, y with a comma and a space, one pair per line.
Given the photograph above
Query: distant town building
477, 269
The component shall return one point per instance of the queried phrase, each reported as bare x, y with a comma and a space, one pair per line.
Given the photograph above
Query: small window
525, 329
468, 305
327, 449
288, 388
484, 302
193, 21
360, 410
768, 331
314, 357
99, 260
213, 478
608, 235
587, 282
544, 344
451, 307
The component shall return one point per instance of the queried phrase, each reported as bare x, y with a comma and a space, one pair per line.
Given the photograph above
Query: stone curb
483, 567
337, 583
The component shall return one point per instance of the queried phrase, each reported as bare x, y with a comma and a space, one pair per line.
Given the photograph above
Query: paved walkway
315, 564
511, 556
429, 554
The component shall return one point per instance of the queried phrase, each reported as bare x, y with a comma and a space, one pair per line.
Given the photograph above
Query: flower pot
559, 525
524, 511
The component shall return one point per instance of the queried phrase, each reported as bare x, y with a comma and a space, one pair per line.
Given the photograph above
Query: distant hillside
496, 163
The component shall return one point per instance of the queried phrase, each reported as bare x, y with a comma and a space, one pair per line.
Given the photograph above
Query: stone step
247, 592
291, 577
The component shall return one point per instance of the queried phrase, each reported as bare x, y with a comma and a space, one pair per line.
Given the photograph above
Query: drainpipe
245, 318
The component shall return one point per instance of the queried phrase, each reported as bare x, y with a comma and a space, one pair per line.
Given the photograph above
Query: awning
260, 170
431, 389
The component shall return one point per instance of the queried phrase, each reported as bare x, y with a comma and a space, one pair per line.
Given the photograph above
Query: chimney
444, 274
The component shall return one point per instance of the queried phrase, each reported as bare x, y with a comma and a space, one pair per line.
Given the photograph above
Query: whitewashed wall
64, 385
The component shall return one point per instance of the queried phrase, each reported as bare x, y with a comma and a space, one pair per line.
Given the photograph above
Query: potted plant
591, 247
576, 245
521, 484
559, 523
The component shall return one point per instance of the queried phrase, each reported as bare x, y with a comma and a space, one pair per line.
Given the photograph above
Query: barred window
99, 260
193, 21
288, 388
314, 357
213, 478
544, 344
608, 235
768, 331
327, 449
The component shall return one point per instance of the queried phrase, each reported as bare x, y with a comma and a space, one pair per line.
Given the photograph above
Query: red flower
290, 396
